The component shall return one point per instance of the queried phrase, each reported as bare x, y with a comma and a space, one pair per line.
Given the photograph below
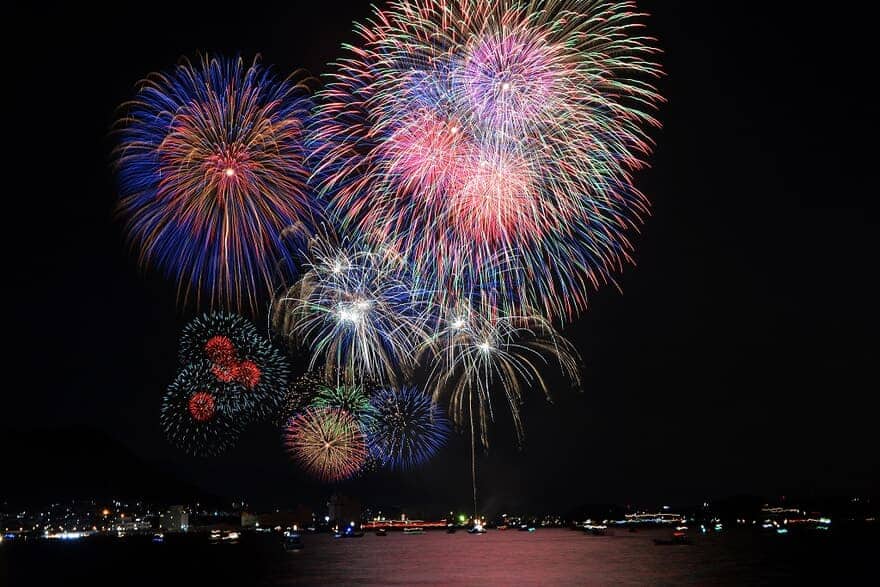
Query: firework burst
493, 144
196, 415
212, 177
227, 396
410, 428
239, 355
349, 398
327, 443
478, 350
355, 312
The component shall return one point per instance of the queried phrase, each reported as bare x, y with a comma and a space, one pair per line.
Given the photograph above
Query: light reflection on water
547, 557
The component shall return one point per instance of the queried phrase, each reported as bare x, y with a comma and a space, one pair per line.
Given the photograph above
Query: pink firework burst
493, 145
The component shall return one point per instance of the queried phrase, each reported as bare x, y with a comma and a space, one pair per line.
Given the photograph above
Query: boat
351, 532
292, 541
415, 530
526, 528
158, 538
381, 532
450, 528
477, 529
596, 529
224, 537
678, 537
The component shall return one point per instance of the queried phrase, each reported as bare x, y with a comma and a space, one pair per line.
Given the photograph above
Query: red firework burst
201, 406
220, 351
225, 374
248, 374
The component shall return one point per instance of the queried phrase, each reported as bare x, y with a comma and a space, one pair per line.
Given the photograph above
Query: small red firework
220, 351
225, 373
248, 374
201, 406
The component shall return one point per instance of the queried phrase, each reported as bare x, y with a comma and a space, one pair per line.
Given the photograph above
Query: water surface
546, 557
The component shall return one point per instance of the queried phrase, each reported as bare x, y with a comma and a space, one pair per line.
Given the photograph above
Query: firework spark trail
493, 144
479, 349
212, 174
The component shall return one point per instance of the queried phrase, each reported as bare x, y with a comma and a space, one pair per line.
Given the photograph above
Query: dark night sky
737, 358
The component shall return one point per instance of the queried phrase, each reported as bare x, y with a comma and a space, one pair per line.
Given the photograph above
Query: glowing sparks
494, 351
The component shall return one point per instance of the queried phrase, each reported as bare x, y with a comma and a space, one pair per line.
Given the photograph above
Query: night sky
737, 359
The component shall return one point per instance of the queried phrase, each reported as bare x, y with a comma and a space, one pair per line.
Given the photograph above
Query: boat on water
224, 537
596, 529
381, 532
678, 537
526, 528
477, 529
158, 538
416, 530
450, 528
292, 541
